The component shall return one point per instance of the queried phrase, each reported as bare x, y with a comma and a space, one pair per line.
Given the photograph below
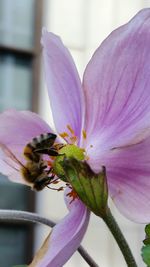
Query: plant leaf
146, 254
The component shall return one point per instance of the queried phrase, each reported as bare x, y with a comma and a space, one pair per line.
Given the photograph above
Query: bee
41, 144
35, 171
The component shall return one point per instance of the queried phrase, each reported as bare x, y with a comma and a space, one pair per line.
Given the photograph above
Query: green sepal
146, 254
90, 187
20, 265
57, 168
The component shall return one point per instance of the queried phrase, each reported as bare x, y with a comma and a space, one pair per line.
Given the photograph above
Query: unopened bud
90, 187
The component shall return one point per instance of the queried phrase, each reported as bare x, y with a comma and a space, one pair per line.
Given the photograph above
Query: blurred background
82, 24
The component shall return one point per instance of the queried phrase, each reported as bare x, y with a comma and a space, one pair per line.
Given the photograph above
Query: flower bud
90, 187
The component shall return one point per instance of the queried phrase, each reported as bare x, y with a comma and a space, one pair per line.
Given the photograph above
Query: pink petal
64, 86
65, 237
128, 174
117, 87
17, 129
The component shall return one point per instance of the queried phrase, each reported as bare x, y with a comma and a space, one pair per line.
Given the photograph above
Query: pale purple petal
64, 86
117, 91
117, 87
65, 237
128, 175
16, 130
10, 169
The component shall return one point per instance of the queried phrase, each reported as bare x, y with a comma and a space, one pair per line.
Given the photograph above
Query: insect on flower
36, 171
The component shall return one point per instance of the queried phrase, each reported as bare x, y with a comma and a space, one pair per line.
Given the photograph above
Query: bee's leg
40, 183
43, 165
56, 189
47, 151
49, 171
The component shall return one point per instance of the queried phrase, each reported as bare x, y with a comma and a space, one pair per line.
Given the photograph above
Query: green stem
121, 241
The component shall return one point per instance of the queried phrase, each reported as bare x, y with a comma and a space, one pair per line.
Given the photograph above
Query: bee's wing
9, 158
11, 166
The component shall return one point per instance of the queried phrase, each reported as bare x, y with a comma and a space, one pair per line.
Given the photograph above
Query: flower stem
121, 241
15, 216
87, 257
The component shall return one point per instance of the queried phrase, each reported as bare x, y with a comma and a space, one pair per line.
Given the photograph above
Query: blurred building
82, 25
20, 30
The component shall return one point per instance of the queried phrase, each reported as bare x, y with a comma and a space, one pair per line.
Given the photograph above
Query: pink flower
108, 115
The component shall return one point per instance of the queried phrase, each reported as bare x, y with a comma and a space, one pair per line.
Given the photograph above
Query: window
20, 28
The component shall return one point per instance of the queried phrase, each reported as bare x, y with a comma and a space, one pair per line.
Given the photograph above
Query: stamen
49, 163
64, 134
72, 194
84, 134
53, 157
70, 129
73, 139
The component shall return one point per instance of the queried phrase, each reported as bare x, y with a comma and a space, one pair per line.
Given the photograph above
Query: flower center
67, 151
71, 150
